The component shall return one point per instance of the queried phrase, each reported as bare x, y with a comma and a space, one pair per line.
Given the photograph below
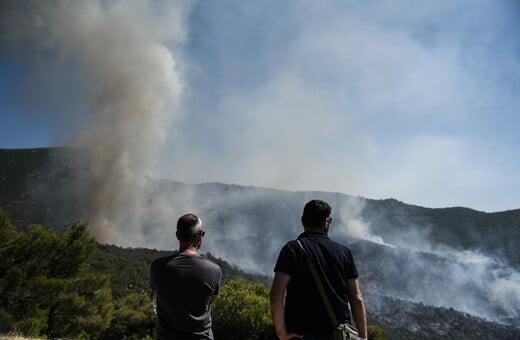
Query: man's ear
325, 226
177, 235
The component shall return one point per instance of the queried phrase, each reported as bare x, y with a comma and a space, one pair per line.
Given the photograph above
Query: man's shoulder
342, 247
291, 244
338, 244
209, 262
333, 245
164, 259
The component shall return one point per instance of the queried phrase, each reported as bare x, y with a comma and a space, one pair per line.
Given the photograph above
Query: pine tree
46, 286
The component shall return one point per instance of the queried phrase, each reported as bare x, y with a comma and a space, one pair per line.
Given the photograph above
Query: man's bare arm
277, 294
358, 307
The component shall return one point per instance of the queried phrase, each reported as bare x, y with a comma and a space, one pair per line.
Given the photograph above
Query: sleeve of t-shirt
218, 281
352, 269
285, 262
152, 277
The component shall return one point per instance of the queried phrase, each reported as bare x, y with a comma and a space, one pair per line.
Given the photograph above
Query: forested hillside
128, 268
497, 233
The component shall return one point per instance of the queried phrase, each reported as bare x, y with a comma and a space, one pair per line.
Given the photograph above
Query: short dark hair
314, 213
188, 227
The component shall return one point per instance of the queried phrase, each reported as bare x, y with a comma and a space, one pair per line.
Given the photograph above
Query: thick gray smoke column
121, 67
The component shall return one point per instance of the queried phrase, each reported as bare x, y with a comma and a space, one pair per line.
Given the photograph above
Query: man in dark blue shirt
184, 285
304, 314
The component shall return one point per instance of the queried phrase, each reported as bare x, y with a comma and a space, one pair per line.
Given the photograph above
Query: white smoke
477, 284
353, 225
435, 274
118, 60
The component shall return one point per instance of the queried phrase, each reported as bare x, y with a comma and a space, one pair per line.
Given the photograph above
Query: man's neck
314, 230
188, 249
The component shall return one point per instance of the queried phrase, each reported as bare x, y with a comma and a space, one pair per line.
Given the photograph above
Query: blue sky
415, 101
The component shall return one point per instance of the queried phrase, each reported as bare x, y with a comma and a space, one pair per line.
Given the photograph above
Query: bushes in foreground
46, 287
242, 311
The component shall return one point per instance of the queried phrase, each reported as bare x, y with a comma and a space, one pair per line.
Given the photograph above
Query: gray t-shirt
184, 285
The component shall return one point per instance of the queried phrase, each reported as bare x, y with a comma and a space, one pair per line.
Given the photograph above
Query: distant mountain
496, 234
413, 261
41, 186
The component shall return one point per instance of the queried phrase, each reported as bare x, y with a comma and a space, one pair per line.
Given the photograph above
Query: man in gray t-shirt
184, 285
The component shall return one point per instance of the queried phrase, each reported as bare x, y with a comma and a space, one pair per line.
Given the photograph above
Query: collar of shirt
313, 234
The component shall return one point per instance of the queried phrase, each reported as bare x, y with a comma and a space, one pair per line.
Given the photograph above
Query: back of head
188, 227
315, 213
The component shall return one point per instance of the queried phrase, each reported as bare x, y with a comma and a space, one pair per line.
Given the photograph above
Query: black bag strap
320, 286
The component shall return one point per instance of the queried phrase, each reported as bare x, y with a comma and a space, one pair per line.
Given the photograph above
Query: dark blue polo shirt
305, 311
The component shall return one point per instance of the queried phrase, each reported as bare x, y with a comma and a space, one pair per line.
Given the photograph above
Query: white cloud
440, 171
380, 99
364, 98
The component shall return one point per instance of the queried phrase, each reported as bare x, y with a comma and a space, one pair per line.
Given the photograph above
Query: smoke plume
105, 73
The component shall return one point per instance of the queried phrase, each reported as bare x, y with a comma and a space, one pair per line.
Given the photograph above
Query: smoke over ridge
117, 59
